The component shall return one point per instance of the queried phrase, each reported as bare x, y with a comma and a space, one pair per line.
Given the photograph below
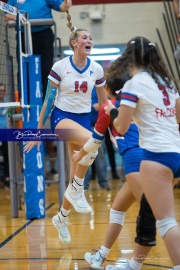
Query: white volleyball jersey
74, 85
155, 113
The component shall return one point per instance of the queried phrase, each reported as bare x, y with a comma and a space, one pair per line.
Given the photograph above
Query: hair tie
151, 44
132, 42
74, 29
118, 91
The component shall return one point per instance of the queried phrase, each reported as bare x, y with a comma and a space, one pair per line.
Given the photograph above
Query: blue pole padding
34, 181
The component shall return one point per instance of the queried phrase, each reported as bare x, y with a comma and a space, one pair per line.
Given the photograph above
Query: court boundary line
21, 228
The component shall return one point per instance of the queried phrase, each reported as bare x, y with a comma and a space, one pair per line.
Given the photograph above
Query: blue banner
33, 162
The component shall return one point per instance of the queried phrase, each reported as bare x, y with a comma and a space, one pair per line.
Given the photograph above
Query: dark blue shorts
177, 173
168, 159
132, 159
57, 115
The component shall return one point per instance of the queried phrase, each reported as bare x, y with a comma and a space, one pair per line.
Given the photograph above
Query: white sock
177, 267
135, 265
78, 183
104, 251
63, 214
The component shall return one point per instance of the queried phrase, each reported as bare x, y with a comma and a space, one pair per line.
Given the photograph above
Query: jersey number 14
83, 87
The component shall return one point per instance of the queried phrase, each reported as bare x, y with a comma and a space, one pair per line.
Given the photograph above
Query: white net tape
10, 104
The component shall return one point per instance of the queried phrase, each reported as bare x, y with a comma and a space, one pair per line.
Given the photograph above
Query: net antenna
23, 19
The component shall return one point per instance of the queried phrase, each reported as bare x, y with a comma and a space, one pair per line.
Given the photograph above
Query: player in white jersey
155, 105
151, 99
75, 85
70, 83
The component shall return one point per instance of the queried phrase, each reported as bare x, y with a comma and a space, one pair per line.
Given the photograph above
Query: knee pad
117, 217
145, 225
164, 225
92, 145
88, 159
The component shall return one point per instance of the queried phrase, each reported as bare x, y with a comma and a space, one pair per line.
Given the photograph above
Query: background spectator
4, 147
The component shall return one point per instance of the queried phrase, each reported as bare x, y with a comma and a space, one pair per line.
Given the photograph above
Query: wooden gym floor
34, 244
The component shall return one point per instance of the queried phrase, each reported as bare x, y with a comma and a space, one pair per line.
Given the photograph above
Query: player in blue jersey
152, 101
70, 84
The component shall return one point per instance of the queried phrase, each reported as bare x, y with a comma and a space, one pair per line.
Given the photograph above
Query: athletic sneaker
77, 199
62, 227
96, 261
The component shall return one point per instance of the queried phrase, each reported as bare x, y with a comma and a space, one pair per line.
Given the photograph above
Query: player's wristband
113, 114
